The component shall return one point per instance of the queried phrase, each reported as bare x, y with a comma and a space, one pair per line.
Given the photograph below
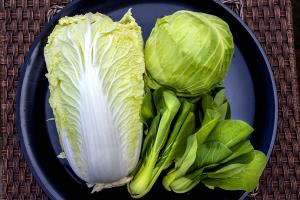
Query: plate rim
24, 147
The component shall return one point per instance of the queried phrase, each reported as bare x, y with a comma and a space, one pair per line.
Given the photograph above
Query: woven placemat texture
271, 20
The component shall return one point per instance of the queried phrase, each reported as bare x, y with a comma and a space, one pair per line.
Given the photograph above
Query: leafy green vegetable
218, 104
213, 112
160, 159
185, 125
246, 177
184, 184
211, 152
239, 149
183, 164
226, 171
218, 151
189, 52
210, 121
147, 110
150, 138
186, 130
230, 132
95, 73
167, 106
219, 98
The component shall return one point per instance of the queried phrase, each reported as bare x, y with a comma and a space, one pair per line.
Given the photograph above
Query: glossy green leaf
184, 125
181, 141
211, 152
187, 182
207, 102
147, 110
150, 137
167, 104
219, 98
230, 132
210, 121
183, 164
240, 149
227, 171
246, 179
223, 110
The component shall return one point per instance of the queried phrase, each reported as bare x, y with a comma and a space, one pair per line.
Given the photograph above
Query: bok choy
163, 142
219, 156
200, 138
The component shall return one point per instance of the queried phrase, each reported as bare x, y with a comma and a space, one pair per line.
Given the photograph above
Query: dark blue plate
250, 89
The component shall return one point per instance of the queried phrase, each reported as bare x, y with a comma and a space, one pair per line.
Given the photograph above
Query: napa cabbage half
95, 73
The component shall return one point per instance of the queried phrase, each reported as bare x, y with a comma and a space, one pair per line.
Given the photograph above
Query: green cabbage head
189, 52
95, 73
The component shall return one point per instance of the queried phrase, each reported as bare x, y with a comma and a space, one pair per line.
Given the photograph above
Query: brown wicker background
271, 20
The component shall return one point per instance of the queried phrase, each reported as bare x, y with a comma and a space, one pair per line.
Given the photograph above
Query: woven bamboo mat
271, 20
